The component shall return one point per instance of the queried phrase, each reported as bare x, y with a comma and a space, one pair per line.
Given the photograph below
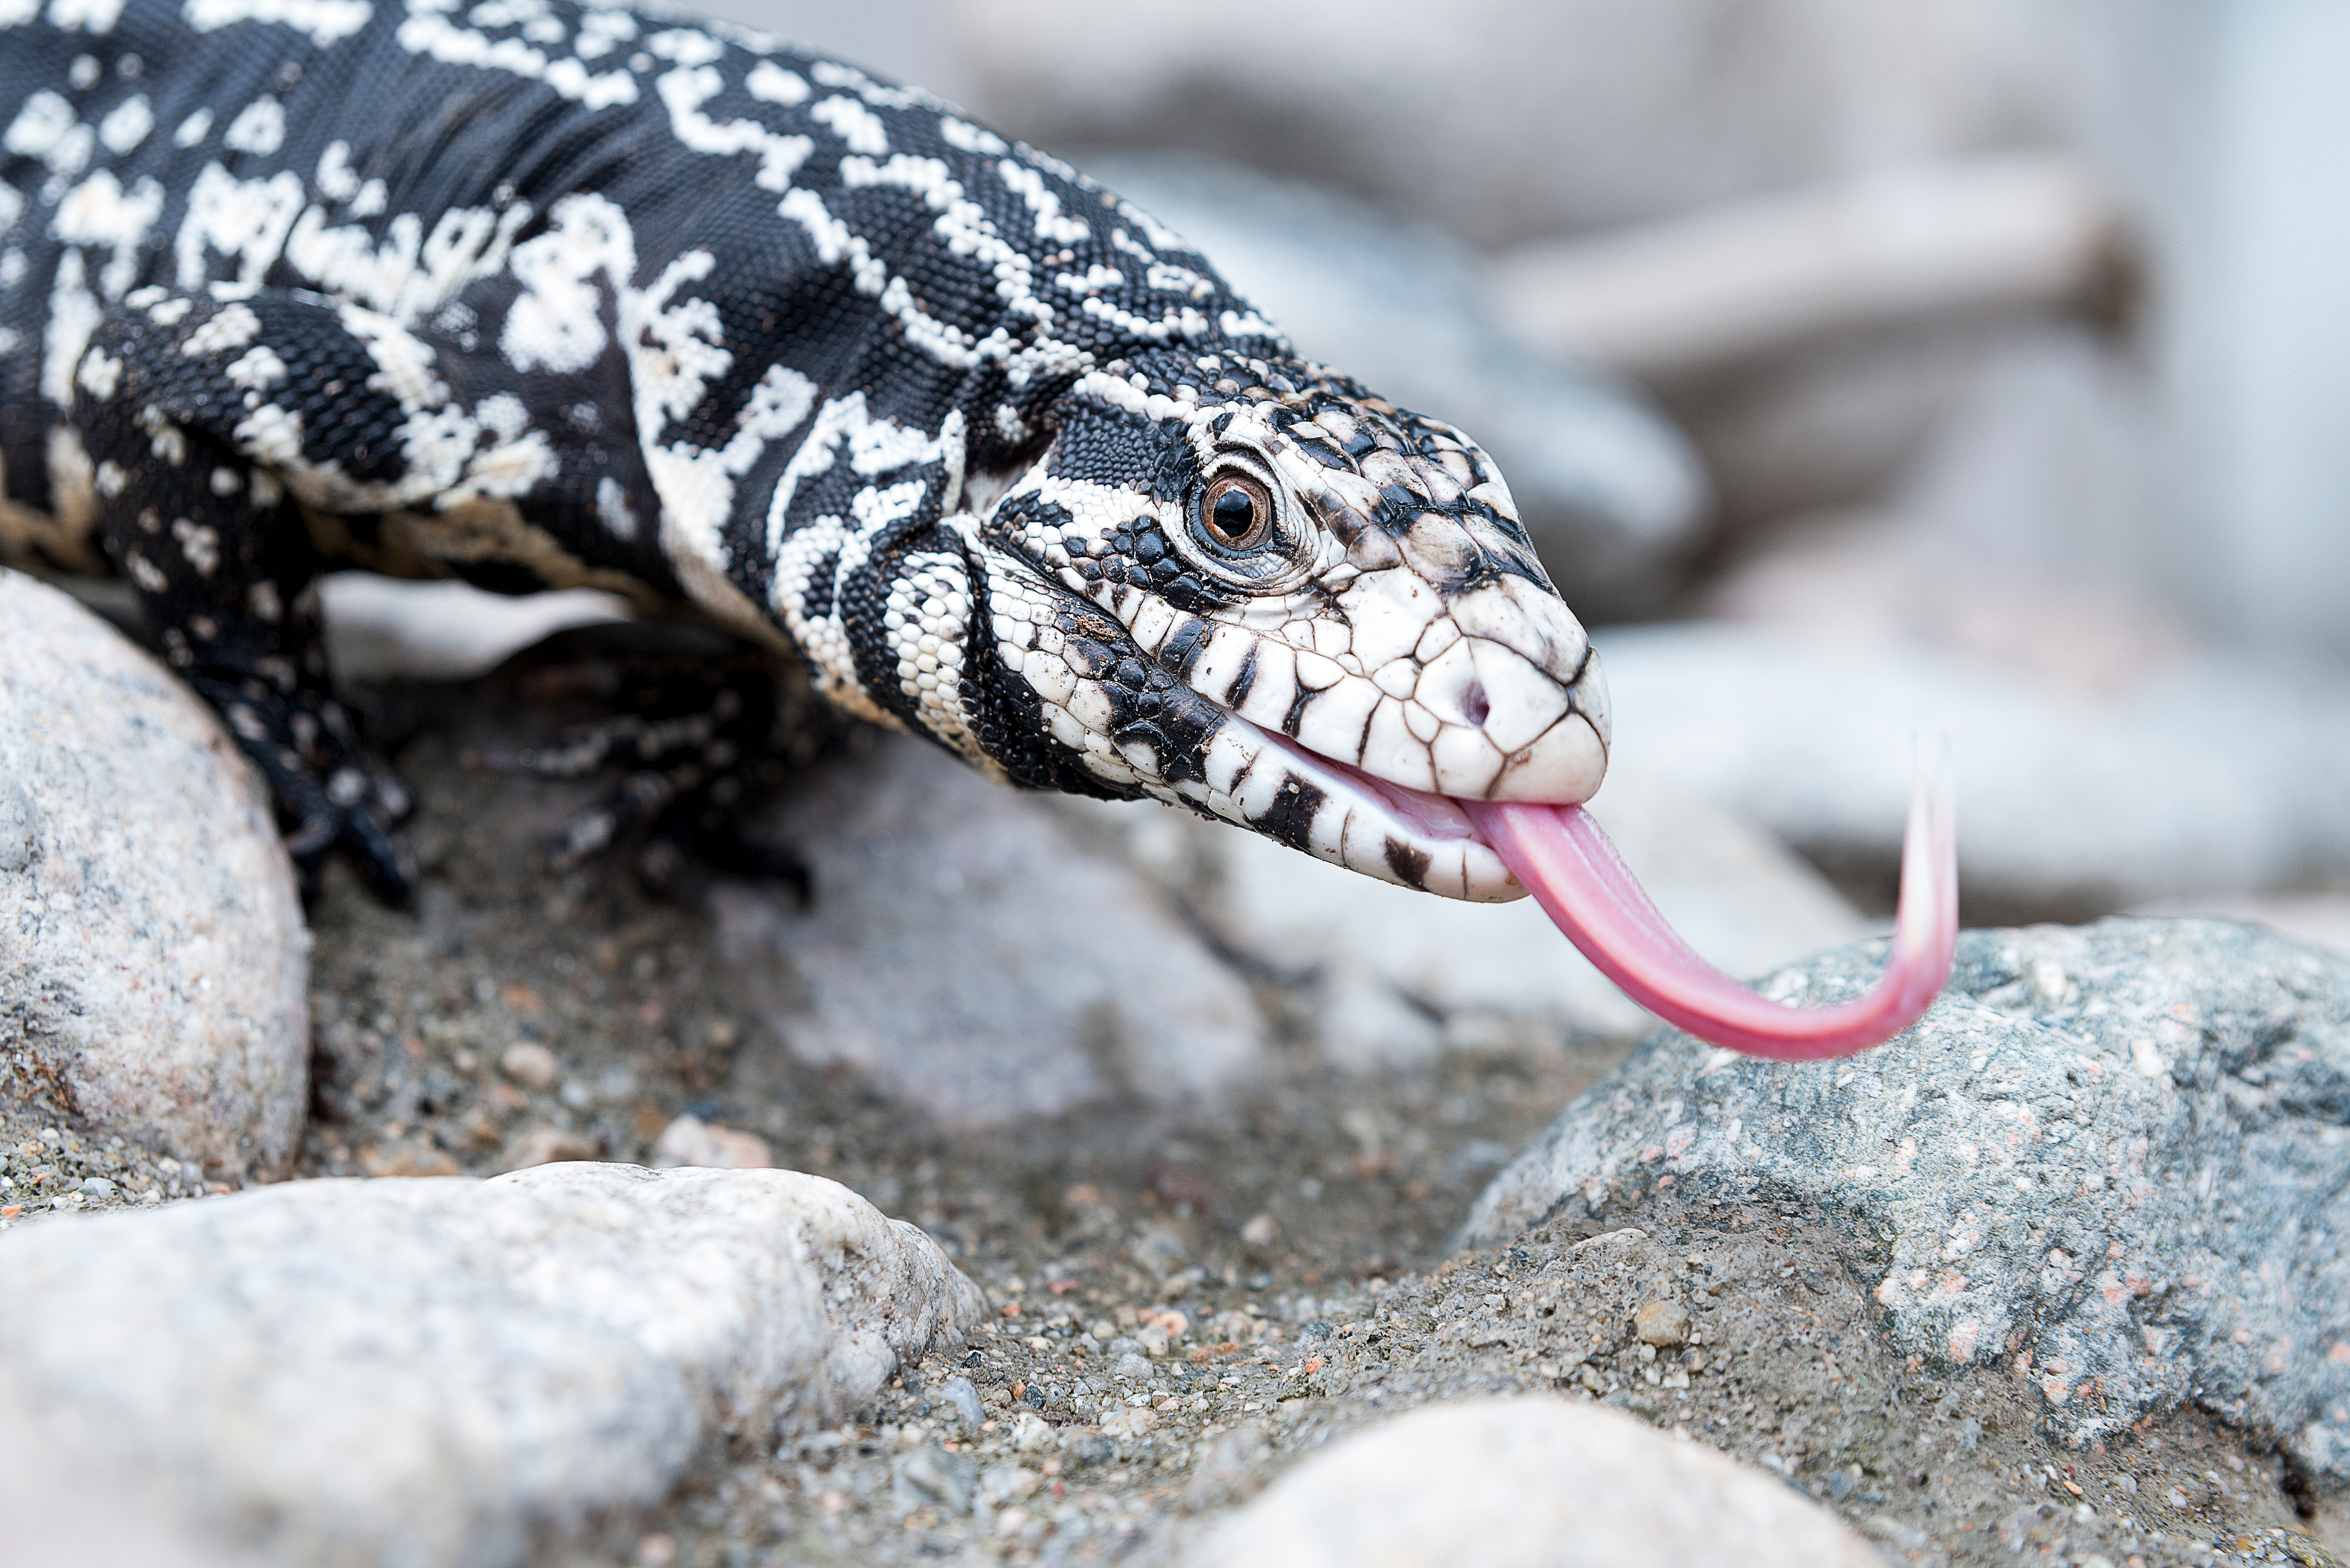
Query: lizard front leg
210, 426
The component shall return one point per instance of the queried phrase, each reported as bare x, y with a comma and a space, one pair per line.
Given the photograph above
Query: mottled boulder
1528, 1483
970, 955
447, 1371
2111, 1160
153, 962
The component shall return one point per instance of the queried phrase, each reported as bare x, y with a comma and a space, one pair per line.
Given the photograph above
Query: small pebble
1661, 1323
544, 1146
1130, 1366
691, 1141
963, 1399
397, 1157
532, 1066
933, 1475
1262, 1232
1126, 1421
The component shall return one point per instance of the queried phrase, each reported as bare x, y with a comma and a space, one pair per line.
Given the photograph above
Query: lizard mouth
1505, 850
1335, 811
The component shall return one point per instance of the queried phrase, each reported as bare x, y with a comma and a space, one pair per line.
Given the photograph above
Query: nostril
1473, 705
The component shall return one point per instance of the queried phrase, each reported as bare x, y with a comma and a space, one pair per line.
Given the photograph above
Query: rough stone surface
1612, 493
56, 1509
2313, 920
445, 1371
131, 828
2070, 806
2110, 1159
1488, 1482
1391, 968
969, 956
1348, 1307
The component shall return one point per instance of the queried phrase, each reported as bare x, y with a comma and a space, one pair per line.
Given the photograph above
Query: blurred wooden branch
1737, 281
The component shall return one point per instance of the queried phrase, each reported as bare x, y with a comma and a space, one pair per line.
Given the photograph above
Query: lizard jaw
1503, 849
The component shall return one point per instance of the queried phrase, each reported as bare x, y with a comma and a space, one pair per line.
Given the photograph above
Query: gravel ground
1186, 1303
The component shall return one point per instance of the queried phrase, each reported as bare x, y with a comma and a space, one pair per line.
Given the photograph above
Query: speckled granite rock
132, 834
968, 954
446, 1371
1528, 1483
2111, 1159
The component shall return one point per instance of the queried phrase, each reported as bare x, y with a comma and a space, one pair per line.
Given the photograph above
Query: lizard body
540, 294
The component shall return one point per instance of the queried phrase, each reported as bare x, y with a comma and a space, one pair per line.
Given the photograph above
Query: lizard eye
1236, 512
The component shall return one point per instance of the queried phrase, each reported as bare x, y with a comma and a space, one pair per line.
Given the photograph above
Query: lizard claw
328, 796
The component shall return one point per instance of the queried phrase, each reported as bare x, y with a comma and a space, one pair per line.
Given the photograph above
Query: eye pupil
1234, 513
1238, 512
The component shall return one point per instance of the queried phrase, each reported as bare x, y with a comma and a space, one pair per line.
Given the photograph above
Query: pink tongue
1572, 870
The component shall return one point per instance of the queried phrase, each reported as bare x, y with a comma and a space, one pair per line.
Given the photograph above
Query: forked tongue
1567, 863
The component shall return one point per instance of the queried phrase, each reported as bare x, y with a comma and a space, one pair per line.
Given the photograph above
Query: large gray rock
1384, 968
1532, 1481
1516, 118
2110, 1159
2213, 774
970, 955
153, 962
446, 1371
1612, 493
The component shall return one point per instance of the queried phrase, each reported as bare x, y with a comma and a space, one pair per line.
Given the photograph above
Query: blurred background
1978, 364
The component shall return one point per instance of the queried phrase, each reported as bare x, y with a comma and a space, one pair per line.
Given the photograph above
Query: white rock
967, 952
2212, 775
446, 1371
1888, 580
1740, 279
689, 1140
1539, 117
132, 830
1387, 955
384, 627
80, 1509
1528, 1482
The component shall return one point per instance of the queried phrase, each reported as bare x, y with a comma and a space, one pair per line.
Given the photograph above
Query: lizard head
1252, 587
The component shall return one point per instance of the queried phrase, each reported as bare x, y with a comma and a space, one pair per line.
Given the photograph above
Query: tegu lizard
544, 293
